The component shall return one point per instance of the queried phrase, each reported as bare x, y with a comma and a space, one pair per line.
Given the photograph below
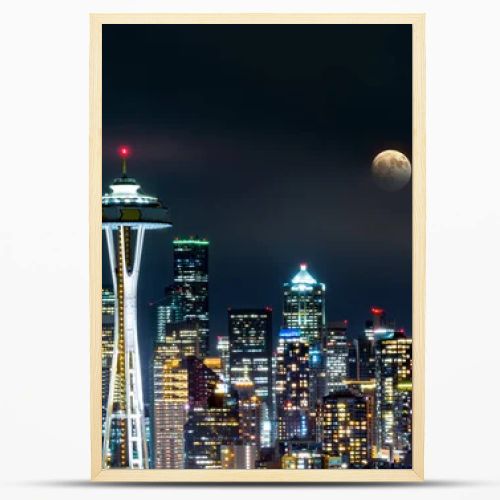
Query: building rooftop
303, 277
304, 282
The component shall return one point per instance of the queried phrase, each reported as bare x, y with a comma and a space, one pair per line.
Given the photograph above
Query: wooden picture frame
419, 248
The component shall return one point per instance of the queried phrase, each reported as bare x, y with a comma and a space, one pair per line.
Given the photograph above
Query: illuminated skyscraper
365, 351
223, 353
249, 411
266, 426
126, 215
379, 325
292, 386
108, 334
203, 382
170, 380
191, 278
375, 328
352, 359
208, 431
304, 305
393, 372
250, 340
212, 424
273, 413
304, 309
186, 336
336, 353
366, 389
168, 310
344, 423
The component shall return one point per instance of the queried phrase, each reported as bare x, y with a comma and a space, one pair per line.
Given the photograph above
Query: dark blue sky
260, 138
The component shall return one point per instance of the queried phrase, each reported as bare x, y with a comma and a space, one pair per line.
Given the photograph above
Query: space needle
126, 215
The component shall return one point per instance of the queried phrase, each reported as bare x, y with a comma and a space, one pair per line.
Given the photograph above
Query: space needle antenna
124, 154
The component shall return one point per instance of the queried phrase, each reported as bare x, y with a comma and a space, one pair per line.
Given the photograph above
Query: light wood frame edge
418, 234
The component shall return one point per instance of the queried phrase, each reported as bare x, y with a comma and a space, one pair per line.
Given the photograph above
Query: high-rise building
366, 389
375, 328
365, 351
208, 429
292, 386
304, 309
126, 215
336, 354
148, 426
162, 315
191, 280
393, 373
203, 382
266, 426
168, 310
223, 352
304, 305
378, 326
249, 412
250, 340
186, 337
344, 430
190, 411
170, 406
352, 360
273, 413
108, 334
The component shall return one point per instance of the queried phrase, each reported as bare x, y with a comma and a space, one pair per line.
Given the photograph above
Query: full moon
391, 170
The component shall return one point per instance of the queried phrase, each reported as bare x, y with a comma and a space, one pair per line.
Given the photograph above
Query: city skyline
150, 308
316, 401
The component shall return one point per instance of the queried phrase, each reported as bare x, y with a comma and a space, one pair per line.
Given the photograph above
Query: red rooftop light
377, 311
124, 152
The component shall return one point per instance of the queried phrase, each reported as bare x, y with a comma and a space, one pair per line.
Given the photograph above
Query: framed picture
257, 247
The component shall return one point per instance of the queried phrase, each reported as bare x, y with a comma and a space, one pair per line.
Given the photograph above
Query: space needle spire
124, 154
127, 213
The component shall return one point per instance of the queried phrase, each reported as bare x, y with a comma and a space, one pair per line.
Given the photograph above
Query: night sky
260, 138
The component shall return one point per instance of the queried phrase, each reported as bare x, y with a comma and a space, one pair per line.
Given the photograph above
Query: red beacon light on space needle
377, 311
124, 153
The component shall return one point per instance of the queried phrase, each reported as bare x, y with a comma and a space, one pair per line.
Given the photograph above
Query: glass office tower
304, 305
108, 333
292, 386
191, 279
393, 397
250, 342
336, 353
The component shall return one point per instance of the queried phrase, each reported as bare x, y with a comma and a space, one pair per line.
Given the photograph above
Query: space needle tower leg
136, 435
125, 422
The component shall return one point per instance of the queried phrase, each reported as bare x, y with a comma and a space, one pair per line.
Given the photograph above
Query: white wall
44, 450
